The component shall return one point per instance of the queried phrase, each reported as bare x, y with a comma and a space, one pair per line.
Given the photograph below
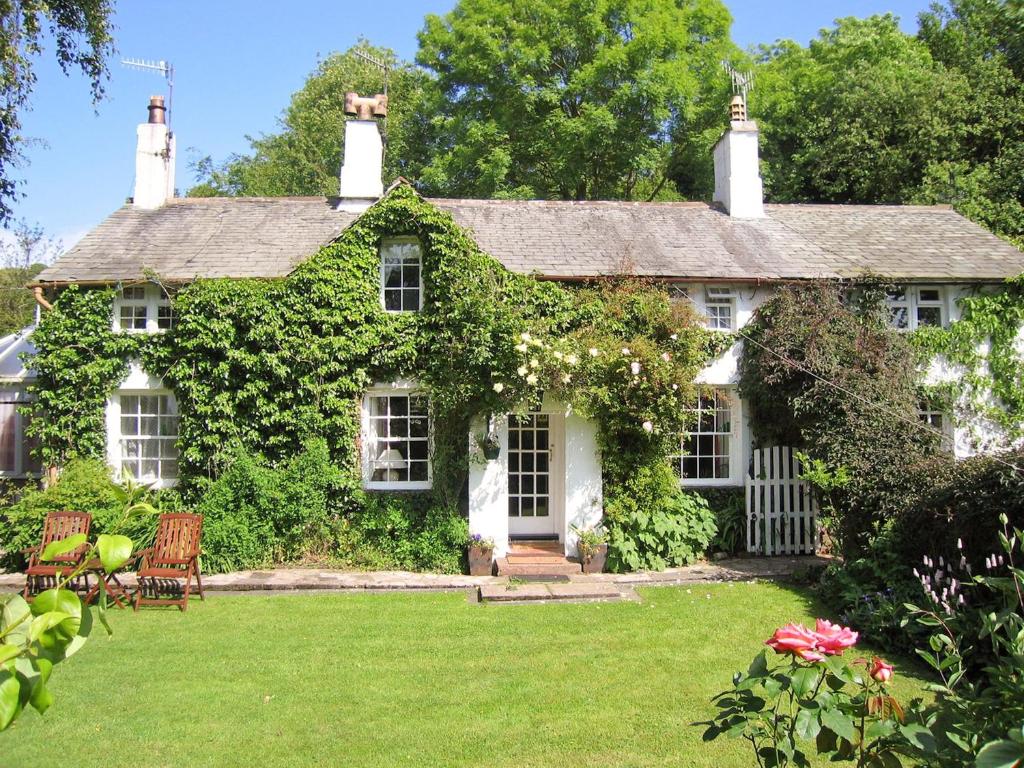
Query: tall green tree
80, 33
304, 157
983, 41
858, 116
572, 99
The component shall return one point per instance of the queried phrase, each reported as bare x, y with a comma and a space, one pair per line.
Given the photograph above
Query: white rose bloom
674, 336
571, 359
521, 347
525, 336
521, 370
531, 379
558, 355
648, 426
666, 356
675, 387
534, 362
594, 352
635, 368
566, 378
625, 351
499, 387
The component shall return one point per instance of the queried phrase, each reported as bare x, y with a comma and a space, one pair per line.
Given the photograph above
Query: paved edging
307, 579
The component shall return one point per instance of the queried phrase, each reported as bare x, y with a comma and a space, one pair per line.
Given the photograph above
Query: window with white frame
142, 309
705, 451
720, 307
148, 440
16, 459
912, 307
401, 273
932, 414
396, 448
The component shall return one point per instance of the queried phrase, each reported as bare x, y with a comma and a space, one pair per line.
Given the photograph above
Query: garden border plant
264, 366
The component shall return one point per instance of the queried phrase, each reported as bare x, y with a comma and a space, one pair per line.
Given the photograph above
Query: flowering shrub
815, 701
977, 652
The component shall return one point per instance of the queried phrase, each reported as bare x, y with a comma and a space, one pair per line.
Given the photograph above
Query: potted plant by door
481, 555
592, 545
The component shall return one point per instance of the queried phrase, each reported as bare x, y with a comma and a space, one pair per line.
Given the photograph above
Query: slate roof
268, 237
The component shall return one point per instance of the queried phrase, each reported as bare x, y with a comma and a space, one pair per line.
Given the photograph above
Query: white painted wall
488, 486
583, 490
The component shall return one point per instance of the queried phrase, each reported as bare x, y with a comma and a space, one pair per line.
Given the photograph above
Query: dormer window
401, 276
142, 309
912, 307
720, 307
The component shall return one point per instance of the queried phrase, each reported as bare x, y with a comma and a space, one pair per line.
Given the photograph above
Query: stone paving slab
522, 593
289, 579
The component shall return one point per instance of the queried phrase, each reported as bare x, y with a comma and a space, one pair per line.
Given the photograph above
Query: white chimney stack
363, 165
737, 166
154, 159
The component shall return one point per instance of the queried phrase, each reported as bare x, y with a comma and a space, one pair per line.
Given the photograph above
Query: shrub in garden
653, 524
818, 340
84, 485
404, 531
730, 509
976, 649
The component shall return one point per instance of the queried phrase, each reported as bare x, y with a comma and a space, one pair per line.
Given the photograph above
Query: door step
537, 559
558, 592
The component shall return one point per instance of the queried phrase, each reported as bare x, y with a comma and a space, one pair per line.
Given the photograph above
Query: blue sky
237, 64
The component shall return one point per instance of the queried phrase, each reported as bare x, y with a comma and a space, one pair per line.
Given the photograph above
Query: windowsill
721, 482
384, 485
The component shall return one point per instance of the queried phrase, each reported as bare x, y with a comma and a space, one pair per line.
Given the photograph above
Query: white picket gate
781, 510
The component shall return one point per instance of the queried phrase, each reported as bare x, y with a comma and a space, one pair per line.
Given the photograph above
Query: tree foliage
80, 32
566, 99
869, 114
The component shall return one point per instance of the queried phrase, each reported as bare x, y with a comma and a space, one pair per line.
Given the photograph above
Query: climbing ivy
268, 364
984, 347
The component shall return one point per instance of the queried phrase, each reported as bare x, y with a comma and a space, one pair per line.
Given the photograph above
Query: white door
533, 490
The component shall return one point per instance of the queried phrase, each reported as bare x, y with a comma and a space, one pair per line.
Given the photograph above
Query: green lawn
408, 680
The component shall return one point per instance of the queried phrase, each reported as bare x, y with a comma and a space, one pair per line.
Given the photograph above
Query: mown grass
408, 680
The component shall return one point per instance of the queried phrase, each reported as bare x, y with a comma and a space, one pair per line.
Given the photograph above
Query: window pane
898, 317
929, 294
397, 448
393, 300
929, 316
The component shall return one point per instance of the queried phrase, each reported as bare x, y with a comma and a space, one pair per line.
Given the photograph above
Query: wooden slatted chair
42, 574
168, 567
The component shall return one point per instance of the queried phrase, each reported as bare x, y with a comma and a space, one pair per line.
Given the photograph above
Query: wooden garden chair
168, 567
43, 574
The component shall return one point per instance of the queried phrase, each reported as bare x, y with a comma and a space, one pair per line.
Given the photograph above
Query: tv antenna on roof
742, 82
161, 67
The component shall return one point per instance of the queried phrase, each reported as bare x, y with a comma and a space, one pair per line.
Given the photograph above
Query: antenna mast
161, 67
742, 82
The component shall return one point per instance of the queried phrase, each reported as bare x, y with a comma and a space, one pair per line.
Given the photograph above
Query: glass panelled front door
530, 444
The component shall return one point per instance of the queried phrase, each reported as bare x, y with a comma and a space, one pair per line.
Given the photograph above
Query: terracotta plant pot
480, 561
595, 563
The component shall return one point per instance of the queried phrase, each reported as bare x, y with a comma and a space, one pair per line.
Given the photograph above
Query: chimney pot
738, 110
157, 111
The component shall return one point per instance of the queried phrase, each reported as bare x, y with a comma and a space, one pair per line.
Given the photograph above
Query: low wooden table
115, 591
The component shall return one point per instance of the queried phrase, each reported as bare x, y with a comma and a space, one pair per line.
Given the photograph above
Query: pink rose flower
796, 639
881, 671
832, 638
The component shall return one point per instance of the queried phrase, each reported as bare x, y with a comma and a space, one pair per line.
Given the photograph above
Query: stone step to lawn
555, 592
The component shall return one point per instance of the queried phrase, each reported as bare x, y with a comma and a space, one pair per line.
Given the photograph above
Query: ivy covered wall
268, 364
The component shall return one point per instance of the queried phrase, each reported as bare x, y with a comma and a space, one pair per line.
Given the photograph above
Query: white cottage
725, 257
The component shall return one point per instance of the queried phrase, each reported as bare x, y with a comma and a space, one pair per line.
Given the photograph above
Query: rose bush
814, 702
